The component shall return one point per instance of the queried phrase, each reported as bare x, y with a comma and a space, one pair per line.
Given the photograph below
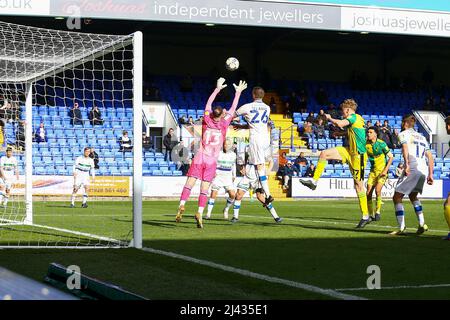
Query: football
232, 64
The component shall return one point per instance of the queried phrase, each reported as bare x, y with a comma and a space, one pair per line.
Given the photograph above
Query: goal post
48, 72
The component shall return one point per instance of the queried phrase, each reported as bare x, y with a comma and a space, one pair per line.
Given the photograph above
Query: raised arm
239, 88
220, 85
337, 122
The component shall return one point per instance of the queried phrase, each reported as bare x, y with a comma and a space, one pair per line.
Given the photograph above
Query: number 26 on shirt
256, 116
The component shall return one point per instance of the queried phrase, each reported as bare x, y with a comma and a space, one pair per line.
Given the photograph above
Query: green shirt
356, 134
377, 153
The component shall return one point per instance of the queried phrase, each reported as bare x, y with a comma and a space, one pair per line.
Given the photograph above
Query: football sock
400, 214
272, 210
362, 197
379, 201
202, 200
370, 206
1, 196
229, 203
185, 195
447, 214
237, 207
200, 210
5, 200
321, 164
210, 206
85, 196
418, 209
73, 199
264, 182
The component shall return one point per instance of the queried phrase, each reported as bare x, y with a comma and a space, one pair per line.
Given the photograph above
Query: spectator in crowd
190, 121
386, 126
199, 121
300, 162
322, 97
336, 132
333, 112
94, 156
399, 170
182, 120
368, 124
75, 115
20, 135
310, 171
303, 104
283, 160
41, 134
169, 142
384, 134
288, 171
273, 105
146, 142
310, 118
292, 104
308, 130
319, 129
394, 140
321, 115
95, 116
378, 124
125, 142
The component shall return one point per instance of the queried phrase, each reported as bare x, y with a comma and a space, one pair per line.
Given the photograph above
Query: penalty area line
246, 273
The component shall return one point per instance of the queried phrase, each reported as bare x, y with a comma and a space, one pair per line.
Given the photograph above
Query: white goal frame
136, 40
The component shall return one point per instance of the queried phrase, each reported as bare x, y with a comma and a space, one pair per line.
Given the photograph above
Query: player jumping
225, 175
415, 149
203, 167
377, 151
355, 155
251, 181
8, 170
257, 115
82, 170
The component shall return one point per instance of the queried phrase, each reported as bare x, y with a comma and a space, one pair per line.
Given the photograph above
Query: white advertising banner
395, 21
25, 7
344, 188
104, 186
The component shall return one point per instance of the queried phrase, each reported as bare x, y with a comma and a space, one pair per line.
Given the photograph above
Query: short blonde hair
349, 103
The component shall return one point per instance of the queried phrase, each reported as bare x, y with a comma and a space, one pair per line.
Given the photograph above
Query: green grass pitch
316, 244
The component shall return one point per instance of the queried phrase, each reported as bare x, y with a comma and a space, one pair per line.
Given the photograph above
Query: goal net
70, 101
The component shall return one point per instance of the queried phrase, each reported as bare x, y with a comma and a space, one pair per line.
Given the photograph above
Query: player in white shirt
83, 168
8, 171
257, 115
249, 182
225, 175
416, 152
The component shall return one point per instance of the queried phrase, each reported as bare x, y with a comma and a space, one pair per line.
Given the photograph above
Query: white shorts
259, 152
81, 181
223, 181
411, 183
6, 183
250, 180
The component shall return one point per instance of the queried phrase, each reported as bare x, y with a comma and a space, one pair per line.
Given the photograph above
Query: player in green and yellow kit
354, 155
377, 151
